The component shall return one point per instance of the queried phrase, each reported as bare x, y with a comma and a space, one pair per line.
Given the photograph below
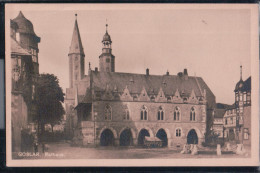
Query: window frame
178, 132
177, 114
192, 114
144, 113
108, 109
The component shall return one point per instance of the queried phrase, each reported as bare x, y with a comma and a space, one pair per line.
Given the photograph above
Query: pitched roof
76, 44
247, 84
152, 84
17, 49
222, 106
25, 25
219, 113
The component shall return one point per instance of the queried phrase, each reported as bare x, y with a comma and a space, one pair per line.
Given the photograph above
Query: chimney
167, 73
185, 72
147, 71
96, 69
180, 74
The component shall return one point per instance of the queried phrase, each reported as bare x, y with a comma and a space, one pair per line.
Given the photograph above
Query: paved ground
65, 151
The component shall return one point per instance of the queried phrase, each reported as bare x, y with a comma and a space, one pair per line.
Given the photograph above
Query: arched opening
161, 134
107, 138
142, 135
126, 138
231, 135
192, 137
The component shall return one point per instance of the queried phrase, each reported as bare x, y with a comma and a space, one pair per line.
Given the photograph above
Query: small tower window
17, 37
108, 112
192, 114
144, 113
176, 114
108, 60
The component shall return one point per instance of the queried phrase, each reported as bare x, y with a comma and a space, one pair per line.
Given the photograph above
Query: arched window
144, 113
160, 114
192, 114
127, 114
108, 112
177, 114
178, 132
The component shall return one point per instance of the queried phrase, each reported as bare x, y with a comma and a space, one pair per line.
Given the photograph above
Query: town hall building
106, 107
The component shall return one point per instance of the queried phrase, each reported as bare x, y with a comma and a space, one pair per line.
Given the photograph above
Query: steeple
76, 44
240, 72
107, 59
76, 57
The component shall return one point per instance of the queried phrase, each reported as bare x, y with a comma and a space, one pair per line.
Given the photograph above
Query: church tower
107, 59
76, 57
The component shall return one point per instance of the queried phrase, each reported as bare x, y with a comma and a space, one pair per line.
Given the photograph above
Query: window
244, 97
236, 96
178, 132
231, 120
108, 112
192, 114
176, 114
246, 134
126, 116
160, 114
240, 97
107, 60
33, 92
17, 37
144, 113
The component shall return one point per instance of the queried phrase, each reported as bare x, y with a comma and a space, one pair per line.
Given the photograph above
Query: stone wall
118, 124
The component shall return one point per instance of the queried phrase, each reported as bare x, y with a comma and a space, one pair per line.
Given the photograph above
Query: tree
48, 98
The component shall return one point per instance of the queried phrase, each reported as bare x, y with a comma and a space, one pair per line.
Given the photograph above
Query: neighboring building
113, 108
237, 118
25, 68
218, 118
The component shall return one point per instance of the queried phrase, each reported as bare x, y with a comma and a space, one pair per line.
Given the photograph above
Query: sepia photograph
132, 84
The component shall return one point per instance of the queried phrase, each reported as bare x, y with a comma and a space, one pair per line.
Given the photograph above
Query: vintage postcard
132, 84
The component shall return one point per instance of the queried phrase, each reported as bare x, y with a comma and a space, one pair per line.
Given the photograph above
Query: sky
210, 43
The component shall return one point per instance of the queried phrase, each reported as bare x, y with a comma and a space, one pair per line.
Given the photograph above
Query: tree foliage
48, 97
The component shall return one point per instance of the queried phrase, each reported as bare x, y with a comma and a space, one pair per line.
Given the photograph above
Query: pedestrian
43, 148
35, 144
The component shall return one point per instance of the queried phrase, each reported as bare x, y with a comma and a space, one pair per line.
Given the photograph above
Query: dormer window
17, 36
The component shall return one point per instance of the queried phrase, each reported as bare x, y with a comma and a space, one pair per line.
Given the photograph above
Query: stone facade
112, 108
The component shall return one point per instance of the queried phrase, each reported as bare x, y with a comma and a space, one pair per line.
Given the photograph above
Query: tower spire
240, 72
76, 44
106, 25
